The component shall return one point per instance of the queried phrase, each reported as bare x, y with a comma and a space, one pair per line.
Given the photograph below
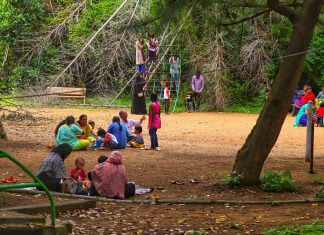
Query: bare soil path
194, 145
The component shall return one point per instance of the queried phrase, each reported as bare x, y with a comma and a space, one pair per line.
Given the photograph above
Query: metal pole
311, 163
309, 132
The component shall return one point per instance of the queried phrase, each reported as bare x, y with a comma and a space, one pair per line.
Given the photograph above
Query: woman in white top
140, 58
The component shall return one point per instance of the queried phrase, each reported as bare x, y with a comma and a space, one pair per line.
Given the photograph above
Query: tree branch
282, 9
244, 19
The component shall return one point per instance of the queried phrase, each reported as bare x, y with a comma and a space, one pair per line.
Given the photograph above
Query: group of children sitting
300, 105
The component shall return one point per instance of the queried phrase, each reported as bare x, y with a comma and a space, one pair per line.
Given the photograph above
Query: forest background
228, 42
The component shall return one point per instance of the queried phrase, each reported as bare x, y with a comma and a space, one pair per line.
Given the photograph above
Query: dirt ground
198, 146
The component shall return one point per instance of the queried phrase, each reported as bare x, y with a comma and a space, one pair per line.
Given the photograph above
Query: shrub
319, 181
234, 179
316, 228
276, 182
320, 193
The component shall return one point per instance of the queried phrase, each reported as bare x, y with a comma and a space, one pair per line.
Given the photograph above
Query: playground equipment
37, 183
155, 84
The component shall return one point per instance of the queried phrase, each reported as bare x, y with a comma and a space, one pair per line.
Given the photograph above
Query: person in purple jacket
197, 87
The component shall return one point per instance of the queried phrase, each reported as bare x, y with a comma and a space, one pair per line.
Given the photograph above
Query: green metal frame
37, 183
179, 80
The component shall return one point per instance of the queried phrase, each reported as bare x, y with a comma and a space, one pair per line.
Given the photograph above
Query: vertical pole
309, 132
311, 163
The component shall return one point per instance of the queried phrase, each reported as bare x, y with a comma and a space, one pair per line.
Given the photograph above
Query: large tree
251, 157
303, 15
2, 132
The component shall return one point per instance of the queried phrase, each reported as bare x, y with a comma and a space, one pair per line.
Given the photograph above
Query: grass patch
277, 182
316, 228
319, 181
253, 105
320, 193
234, 180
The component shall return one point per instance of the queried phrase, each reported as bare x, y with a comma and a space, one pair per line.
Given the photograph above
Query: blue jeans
175, 79
154, 138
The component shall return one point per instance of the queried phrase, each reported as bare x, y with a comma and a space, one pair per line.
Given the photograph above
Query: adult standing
174, 70
197, 84
52, 170
138, 96
140, 57
130, 123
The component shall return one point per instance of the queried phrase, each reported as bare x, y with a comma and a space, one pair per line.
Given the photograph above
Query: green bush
277, 182
316, 228
234, 179
320, 193
319, 181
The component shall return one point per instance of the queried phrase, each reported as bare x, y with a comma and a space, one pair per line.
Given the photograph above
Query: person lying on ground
130, 123
109, 179
66, 132
78, 173
87, 130
52, 170
138, 141
120, 132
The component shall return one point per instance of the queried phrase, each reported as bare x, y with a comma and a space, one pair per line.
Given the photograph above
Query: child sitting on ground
92, 134
189, 100
77, 172
319, 115
138, 141
105, 139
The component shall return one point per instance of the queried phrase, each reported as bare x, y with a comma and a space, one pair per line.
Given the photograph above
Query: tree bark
3, 134
252, 155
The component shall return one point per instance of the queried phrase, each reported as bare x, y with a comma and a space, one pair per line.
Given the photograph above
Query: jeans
196, 101
175, 78
154, 138
189, 106
166, 105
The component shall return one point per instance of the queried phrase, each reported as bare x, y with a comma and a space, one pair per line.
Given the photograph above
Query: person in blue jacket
120, 132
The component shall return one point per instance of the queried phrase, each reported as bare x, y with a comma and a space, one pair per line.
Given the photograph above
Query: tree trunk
3, 134
252, 155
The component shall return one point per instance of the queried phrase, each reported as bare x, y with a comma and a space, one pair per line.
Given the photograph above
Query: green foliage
316, 228
196, 233
314, 63
18, 17
320, 193
319, 181
234, 179
92, 19
277, 182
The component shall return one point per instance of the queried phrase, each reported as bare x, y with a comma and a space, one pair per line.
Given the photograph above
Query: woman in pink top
154, 121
